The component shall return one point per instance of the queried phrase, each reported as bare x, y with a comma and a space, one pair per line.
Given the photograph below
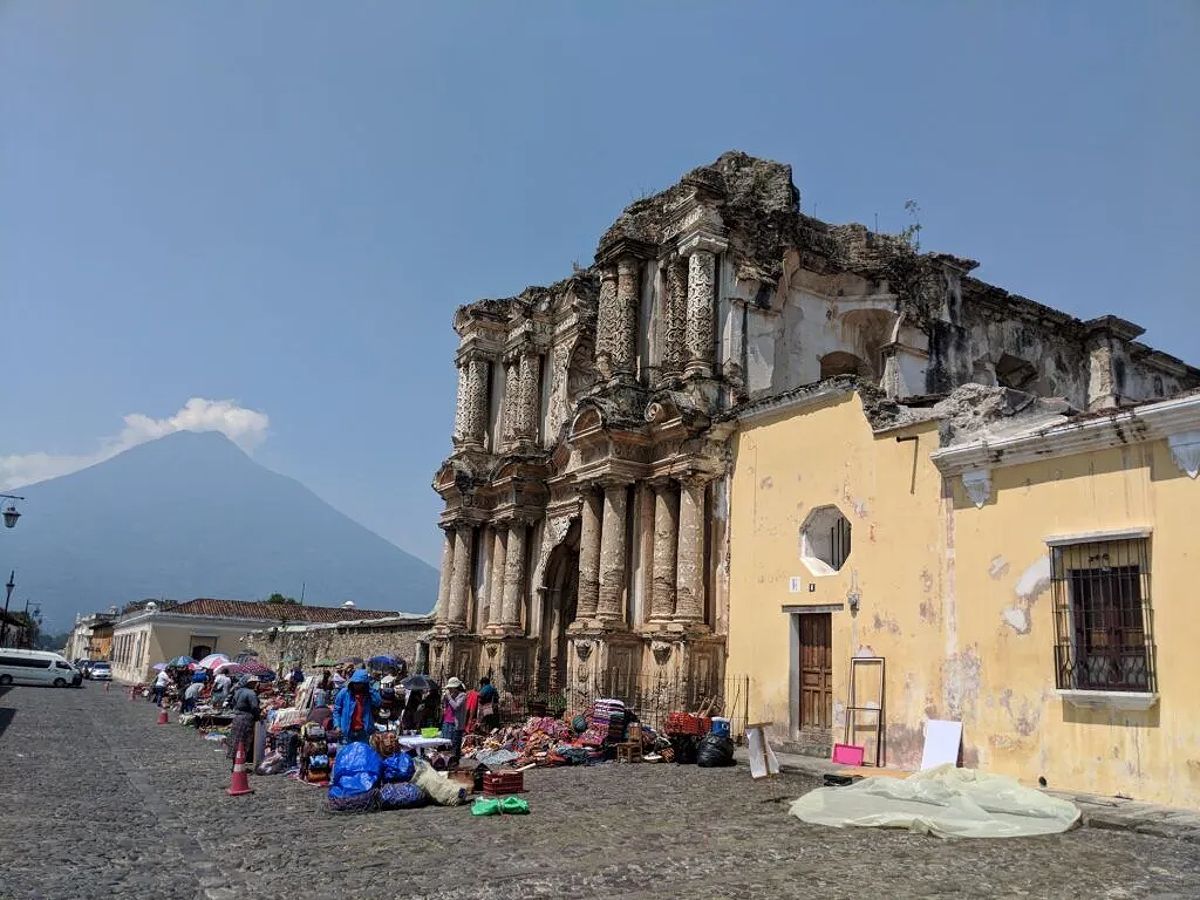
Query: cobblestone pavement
98, 801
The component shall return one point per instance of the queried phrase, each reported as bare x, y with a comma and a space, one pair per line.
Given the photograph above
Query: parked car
99, 670
37, 667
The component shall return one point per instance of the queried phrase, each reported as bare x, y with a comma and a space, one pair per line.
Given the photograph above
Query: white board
942, 740
763, 761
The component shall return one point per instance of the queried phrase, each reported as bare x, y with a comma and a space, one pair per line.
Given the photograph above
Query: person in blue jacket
354, 707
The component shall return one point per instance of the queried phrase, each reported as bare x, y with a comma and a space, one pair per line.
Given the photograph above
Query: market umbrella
325, 662
252, 668
213, 661
382, 660
418, 683
182, 662
158, 667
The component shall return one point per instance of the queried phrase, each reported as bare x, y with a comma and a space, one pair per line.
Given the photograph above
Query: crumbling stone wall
314, 642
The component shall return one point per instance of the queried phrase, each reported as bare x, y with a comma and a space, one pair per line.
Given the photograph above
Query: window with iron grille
1103, 619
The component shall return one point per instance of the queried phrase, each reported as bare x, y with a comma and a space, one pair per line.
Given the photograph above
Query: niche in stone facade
825, 540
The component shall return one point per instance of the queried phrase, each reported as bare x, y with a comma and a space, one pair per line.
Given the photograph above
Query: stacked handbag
315, 763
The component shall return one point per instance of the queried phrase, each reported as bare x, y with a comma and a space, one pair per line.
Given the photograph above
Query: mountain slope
191, 515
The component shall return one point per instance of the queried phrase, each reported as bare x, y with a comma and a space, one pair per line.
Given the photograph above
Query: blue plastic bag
402, 795
398, 767
356, 769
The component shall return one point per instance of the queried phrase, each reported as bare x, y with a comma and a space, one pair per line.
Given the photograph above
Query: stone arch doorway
559, 598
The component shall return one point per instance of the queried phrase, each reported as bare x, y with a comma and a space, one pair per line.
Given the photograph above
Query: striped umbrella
214, 661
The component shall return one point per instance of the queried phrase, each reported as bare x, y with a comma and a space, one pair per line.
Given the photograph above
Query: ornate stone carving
460, 406
583, 649
475, 401
512, 388
661, 651
528, 396
623, 343
491, 649
514, 575
675, 318
701, 312
606, 324
496, 582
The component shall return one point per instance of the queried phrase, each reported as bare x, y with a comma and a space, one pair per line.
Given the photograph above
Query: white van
37, 667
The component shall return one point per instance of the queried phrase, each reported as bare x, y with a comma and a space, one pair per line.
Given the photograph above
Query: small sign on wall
795, 584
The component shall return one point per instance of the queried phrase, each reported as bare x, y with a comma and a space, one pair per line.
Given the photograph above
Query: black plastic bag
714, 751
684, 747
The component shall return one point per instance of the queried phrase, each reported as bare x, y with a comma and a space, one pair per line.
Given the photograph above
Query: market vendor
454, 716
221, 685
354, 707
245, 714
489, 705
191, 696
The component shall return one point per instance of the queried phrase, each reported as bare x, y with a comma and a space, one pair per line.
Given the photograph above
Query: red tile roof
273, 612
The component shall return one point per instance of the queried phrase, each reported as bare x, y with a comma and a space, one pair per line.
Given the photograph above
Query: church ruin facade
587, 490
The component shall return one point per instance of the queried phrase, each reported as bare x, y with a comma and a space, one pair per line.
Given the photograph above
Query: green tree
280, 598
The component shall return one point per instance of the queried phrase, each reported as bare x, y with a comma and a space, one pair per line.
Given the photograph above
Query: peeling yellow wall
958, 599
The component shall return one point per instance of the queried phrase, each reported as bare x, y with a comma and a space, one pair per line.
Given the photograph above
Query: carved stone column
606, 316
689, 575
701, 313
475, 402
512, 390
460, 582
612, 554
460, 405
496, 590
447, 575
528, 395
675, 324
666, 538
625, 322
514, 576
589, 555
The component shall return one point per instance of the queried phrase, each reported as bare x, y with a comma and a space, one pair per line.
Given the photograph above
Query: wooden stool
630, 751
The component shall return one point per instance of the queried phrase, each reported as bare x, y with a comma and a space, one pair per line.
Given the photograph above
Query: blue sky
281, 204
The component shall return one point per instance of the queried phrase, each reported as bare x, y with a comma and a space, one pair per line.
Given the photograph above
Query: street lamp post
10, 516
8, 589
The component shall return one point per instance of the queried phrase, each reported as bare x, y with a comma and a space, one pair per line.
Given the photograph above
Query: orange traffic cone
162, 716
240, 783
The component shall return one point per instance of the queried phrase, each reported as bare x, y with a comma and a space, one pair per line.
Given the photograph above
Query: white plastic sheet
944, 801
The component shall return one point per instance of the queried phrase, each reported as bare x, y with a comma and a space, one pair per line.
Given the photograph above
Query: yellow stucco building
1025, 571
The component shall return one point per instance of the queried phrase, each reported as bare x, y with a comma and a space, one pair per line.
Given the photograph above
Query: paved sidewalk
1116, 813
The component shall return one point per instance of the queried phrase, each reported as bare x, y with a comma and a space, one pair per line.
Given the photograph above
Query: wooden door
816, 670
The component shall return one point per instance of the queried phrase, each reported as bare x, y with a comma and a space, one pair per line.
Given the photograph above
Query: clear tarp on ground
943, 801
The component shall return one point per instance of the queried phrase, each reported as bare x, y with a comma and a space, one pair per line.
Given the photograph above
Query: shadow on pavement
6, 716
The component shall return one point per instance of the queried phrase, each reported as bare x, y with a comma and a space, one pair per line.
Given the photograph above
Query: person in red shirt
354, 708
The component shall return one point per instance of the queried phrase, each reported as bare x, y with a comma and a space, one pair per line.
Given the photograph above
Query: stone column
443, 600
589, 555
528, 395
675, 326
460, 582
514, 576
460, 405
701, 312
689, 576
606, 316
666, 538
612, 554
625, 322
475, 402
512, 390
496, 589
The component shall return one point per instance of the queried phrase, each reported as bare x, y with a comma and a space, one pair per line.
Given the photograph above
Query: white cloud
245, 427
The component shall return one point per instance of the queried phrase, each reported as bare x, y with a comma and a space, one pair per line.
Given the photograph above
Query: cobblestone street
97, 801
